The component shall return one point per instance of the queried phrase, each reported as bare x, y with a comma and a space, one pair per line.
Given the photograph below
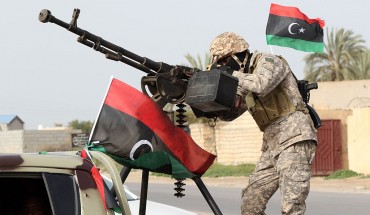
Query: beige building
348, 101
341, 95
10, 122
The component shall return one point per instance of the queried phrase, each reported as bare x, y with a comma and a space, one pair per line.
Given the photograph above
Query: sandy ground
349, 185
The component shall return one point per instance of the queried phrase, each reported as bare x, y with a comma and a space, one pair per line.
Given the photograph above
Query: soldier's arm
269, 72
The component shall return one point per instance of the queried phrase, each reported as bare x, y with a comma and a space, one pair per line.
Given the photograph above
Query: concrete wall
235, 142
11, 141
47, 140
359, 140
20, 141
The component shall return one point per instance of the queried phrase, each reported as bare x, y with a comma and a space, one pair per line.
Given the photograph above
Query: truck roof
51, 168
44, 160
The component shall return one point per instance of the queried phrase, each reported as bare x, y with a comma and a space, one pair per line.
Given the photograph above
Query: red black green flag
135, 131
289, 27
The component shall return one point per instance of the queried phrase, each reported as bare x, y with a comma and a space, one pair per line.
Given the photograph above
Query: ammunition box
211, 91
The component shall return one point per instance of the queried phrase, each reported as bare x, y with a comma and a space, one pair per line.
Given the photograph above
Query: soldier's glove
222, 68
240, 90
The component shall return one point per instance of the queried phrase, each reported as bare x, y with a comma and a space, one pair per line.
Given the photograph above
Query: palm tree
342, 48
197, 62
360, 68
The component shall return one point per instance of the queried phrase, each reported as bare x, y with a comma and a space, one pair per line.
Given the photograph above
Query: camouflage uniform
289, 142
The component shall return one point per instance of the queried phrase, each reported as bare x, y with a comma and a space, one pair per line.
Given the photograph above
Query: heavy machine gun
164, 83
203, 91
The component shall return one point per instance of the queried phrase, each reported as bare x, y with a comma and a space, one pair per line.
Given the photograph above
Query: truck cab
58, 184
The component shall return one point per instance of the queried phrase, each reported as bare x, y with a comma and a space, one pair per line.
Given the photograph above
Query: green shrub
365, 176
342, 174
219, 170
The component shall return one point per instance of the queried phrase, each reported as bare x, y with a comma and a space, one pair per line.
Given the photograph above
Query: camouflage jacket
267, 71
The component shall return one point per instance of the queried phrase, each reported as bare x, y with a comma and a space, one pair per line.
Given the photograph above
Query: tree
85, 126
360, 68
197, 62
341, 49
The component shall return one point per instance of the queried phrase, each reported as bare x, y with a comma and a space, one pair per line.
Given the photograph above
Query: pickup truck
56, 183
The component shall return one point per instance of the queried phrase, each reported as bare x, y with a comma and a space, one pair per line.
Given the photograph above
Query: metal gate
328, 154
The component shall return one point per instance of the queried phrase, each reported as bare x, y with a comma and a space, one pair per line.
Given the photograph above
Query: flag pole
101, 107
272, 52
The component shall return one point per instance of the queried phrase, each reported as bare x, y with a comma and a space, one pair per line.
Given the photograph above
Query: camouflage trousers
290, 171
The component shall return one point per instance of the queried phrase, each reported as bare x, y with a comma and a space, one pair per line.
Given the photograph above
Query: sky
47, 77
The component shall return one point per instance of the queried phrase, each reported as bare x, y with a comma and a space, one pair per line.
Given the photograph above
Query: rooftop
7, 118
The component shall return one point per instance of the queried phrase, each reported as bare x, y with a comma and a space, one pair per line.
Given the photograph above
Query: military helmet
226, 44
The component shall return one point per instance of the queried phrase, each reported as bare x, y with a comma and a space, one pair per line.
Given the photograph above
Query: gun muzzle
44, 15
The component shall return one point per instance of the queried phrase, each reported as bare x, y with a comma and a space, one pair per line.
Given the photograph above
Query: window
47, 193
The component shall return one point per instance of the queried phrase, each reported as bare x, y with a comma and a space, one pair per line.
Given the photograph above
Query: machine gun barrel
111, 51
164, 83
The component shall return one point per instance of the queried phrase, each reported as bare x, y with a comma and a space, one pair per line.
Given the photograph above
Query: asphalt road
228, 200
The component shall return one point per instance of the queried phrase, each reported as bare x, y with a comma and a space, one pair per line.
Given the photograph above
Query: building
10, 122
345, 106
14, 139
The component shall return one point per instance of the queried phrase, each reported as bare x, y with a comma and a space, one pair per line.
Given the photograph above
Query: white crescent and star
301, 30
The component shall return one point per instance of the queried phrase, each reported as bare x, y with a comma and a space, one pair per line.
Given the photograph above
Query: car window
63, 193
23, 193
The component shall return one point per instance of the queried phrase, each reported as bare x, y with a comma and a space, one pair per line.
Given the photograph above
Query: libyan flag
289, 27
134, 131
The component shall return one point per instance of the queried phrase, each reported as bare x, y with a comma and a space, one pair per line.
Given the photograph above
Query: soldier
268, 89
